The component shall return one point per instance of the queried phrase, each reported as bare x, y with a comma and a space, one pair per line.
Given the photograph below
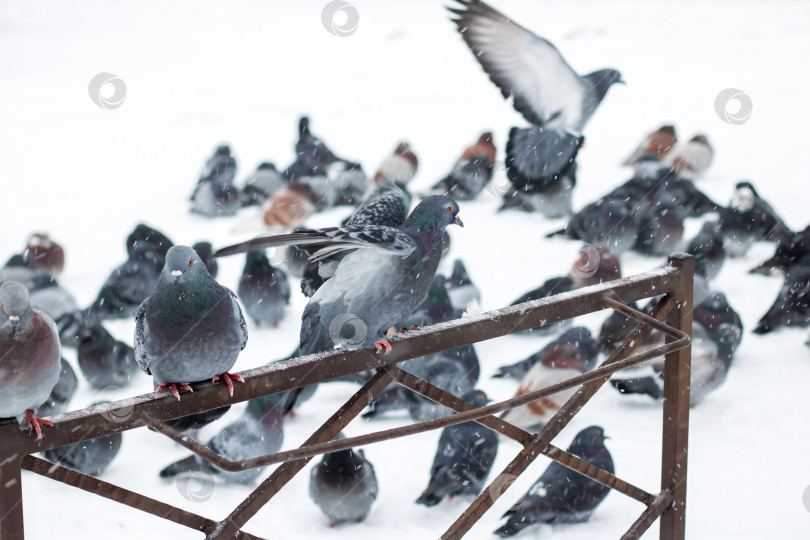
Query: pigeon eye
190, 262
449, 208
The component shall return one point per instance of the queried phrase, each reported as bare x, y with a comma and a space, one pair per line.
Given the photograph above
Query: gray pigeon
215, 193
261, 184
62, 393
749, 219
792, 304
257, 432
708, 250
91, 457
344, 486
374, 287
788, 252
561, 495
544, 89
104, 360
29, 357
263, 290
206, 252
190, 328
463, 459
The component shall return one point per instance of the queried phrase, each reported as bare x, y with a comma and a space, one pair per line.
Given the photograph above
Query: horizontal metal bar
122, 495
100, 420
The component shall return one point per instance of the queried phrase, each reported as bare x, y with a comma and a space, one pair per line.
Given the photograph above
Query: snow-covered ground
201, 73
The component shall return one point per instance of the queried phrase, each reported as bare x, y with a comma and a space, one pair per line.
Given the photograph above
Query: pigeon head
256, 259
485, 138
15, 307
589, 442
434, 213
182, 263
603, 79
563, 356
223, 150
476, 397
266, 166
728, 337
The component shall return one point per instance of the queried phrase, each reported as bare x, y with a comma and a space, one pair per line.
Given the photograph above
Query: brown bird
691, 160
596, 263
471, 172
400, 166
42, 253
288, 207
655, 145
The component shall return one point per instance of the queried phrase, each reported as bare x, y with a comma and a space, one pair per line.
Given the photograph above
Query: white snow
199, 73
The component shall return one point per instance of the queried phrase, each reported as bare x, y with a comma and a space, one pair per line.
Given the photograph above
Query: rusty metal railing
674, 281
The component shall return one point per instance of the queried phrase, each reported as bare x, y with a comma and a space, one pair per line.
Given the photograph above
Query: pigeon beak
457, 221
621, 81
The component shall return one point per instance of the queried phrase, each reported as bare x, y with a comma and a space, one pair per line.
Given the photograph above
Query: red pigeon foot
383, 344
228, 377
173, 387
32, 421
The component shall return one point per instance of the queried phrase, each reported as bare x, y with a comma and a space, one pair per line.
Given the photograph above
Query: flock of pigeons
375, 274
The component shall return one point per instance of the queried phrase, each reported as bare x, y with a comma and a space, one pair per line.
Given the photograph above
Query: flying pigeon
263, 290
206, 252
91, 457
29, 357
792, 305
595, 264
105, 361
554, 99
344, 486
549, 288
788, 252
398, 167
215, 193
258, 431
749, 219
374, 287
708, 251
561, 495
261, 184
655, 145
577, 341
190, 328
463, 458
691, 159
471, 172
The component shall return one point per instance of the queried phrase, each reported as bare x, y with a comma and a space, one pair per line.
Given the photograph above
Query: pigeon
610, 221
261, 184
371, 289
749, 219
716, 335
690, 160
596, 264
788, 252
190, 328
193, 422
257, 432
62, 393
105, 361
660, 232
655, 146
576, 342
561, 495
557, 364
42, 253
683, 196
91, 457
400, 166
344, 486
29, 357
549, 288
708, 251
615, 329
206, 252
555, 100
215, 193
463, 458
45, 292
792, 305
263, 290
460, 288
144, 234
471, 172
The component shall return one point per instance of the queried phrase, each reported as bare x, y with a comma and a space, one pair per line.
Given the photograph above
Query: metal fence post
11, 509
677, 368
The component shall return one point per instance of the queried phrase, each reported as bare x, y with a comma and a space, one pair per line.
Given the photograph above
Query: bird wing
140, 338
324, 242
538, 158
243, 333
544, 88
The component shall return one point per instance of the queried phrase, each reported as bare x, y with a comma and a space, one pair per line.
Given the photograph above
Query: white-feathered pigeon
190, 328
29, 357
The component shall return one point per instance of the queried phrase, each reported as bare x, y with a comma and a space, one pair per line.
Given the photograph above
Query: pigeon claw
228, 378
33, 422
383, 344
174, 389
